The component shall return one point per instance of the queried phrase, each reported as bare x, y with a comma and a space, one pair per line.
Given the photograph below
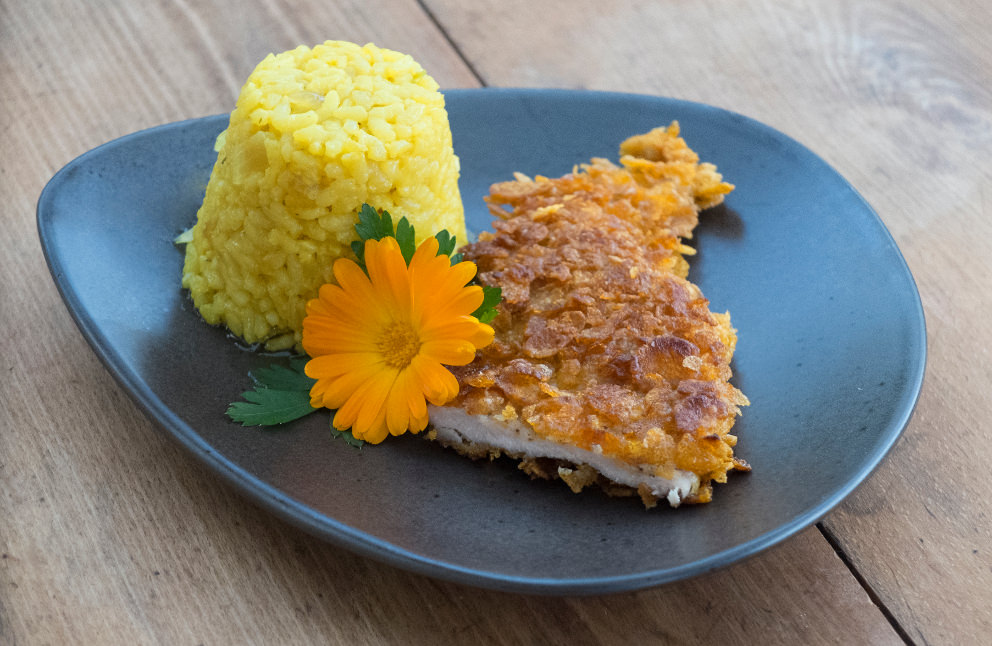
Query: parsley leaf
405, 238
491, 297
372, 225
281, 394
347, 436
375, 225
358, 248
446, 246
284, 378
445, 243
269, 407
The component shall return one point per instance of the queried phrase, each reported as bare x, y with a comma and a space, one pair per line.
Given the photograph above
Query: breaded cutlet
608, 366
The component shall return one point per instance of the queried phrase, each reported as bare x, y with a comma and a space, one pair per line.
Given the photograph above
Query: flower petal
327, 337
426, 251
450, 352
377, 430
373, 412
418, 424
351, 278
336, 392
351, 327
465, 301
432, 284
388, 271
402, 398
362, 300
484, 335
417, 403
436, 382
330, 366
363, 407
466, 328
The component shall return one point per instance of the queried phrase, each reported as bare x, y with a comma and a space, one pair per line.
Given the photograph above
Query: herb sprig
281, 395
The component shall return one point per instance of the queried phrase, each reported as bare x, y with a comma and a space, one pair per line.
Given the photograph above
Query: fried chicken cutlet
608, 366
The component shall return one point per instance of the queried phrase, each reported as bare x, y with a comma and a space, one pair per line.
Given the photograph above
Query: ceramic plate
831, 351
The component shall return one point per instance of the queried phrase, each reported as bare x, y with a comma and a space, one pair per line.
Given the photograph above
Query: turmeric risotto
315, 133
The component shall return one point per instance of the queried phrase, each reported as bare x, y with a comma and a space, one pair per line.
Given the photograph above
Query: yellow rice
315, 133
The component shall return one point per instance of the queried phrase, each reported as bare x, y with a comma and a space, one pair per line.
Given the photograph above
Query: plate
831, 352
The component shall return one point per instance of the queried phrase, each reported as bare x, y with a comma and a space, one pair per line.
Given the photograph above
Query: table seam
834, 543
451, 41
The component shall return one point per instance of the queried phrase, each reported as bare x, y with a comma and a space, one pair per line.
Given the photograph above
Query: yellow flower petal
361, 301
435, 282
398, 405
450, 352
327, 339
364, 404
436, 382
451, 385
388, 272
446, 276
330, 366
448, 282
416, 402
426, 251
375, 402
339, 390
463, 303
461, 327
351, 278
418, 424
484, 335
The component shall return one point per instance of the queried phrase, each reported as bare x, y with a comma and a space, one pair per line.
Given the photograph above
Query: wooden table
110, 533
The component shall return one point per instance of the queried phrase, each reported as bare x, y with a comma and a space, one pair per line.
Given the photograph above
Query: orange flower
378, 342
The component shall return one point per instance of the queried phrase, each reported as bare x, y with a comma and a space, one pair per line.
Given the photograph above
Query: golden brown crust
659, 187
601, 343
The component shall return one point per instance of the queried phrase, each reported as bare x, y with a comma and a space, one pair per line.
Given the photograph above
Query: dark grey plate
831, 353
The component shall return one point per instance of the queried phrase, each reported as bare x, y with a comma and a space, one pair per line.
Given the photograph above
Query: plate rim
330, 529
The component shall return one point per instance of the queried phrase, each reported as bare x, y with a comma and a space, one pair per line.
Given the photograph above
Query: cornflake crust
608, 367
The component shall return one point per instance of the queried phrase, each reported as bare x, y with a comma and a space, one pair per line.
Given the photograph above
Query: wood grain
111, 534
896, 95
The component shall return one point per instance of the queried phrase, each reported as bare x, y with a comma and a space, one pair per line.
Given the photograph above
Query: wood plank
896, 95
113, 535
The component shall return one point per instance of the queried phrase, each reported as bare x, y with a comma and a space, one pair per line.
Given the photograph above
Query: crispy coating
660, 186
601, 342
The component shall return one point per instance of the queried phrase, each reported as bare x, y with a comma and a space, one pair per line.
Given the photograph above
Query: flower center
398, 343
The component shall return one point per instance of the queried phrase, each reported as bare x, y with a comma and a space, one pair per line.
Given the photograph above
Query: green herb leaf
347, 437
358, 248
280, 377
491, 297
282, 394
445, 243
372, 225
269, 407
405, 238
